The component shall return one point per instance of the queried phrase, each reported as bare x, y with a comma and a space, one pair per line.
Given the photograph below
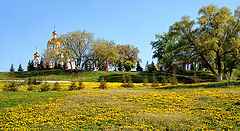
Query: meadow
200, 106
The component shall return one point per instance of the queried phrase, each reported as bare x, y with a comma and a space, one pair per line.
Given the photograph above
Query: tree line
90, 53
212, 41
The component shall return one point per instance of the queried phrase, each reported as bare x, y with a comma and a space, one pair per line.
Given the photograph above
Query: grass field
207, 106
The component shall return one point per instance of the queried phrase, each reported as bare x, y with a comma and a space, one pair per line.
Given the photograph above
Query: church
54, 57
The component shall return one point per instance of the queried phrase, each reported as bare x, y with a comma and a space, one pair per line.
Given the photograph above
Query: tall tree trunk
209, 66
219, 67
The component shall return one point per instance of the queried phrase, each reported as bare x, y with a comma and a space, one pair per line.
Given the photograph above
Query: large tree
126, 53
214, 36
77, 44
104, 52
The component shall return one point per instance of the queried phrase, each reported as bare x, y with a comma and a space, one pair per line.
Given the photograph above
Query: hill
94, 76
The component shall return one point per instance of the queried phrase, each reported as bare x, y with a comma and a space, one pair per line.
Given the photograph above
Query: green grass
14, 98
94, 76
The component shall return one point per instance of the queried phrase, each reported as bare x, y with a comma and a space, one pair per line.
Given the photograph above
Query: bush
164, 80
173, 80
45, 87
10, 86
30, 88
80, 85
145, 80
56, 87
103, 83
33, 81
129, 84
125, 84
72, 86
155, 82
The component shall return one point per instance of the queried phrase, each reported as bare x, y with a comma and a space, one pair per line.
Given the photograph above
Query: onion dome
71, 59
54, 42
36, 55
54, 33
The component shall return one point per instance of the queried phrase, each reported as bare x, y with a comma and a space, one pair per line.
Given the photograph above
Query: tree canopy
211, 40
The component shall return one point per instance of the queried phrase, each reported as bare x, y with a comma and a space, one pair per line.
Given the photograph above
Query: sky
27, 24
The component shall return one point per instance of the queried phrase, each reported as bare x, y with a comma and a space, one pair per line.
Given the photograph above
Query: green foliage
155, 82
128, 65
173, 80
164, 80
103, 83
11, 68
151, 67
20, 69
145, 80
10, 86
73, 86
139, 68
129, 84
45, 87
30, 66
33, 81
209, 41
125, 82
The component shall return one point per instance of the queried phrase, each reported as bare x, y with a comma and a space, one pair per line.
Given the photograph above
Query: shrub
45, 87
155, 82
33, 81
80, 85
145, 80
124, 81
125, 84
173, 80
56, 86
103, 83
10, 86
72, 86
129, 84
30, 88
164, 80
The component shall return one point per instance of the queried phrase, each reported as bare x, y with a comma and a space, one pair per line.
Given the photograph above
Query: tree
139, 68
20, 69
126, 53
207, 41
128, 65
105, 52
11, 68
151, 67
77, 44
30, 66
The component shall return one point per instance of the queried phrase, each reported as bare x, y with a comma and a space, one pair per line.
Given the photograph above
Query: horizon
29, 24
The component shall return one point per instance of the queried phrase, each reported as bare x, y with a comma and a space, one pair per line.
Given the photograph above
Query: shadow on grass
214, 85
137, 77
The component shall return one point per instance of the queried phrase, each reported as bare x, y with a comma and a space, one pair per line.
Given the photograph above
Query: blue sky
27, 24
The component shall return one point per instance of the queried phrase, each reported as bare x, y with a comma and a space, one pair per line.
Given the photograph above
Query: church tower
36, 60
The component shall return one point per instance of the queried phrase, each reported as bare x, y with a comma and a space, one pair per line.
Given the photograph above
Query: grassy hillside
189, 107
94, 76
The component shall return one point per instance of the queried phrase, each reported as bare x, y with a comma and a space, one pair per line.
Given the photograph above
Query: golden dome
36, 55
53, 42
